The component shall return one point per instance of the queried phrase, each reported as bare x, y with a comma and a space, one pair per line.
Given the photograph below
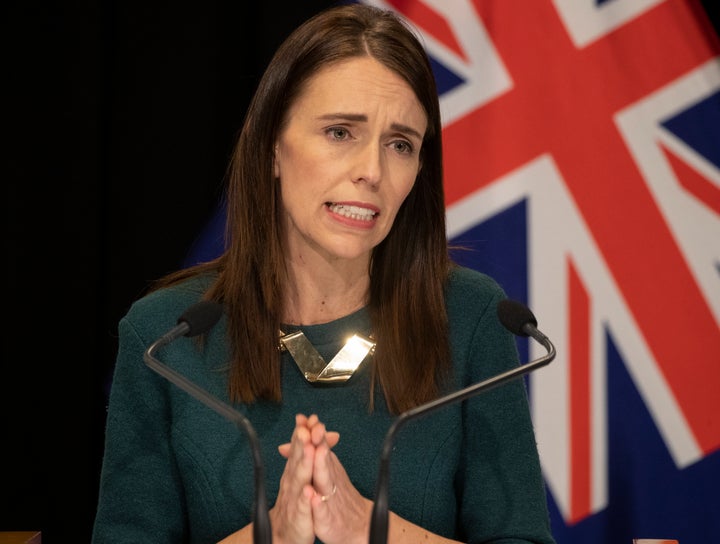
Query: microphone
198, 319
518, 319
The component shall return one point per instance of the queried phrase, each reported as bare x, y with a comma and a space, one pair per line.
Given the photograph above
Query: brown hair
408, 268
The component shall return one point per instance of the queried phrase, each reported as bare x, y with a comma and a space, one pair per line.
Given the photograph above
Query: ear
276, 163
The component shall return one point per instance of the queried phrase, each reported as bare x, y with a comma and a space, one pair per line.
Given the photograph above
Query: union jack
582, 153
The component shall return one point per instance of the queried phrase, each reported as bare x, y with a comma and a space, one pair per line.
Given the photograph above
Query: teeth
353, 212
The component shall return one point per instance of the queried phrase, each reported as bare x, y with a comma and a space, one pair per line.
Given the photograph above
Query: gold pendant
313, 366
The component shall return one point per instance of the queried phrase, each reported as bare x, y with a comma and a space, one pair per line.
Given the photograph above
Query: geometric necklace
313, 366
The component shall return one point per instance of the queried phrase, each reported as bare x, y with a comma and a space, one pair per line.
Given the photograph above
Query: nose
368, 164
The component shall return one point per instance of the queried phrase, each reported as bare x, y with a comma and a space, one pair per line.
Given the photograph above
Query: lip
349, 220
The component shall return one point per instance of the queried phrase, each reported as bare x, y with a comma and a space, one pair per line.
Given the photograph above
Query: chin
348, 253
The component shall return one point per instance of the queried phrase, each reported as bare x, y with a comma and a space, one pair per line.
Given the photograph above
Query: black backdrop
122, 116
119, 120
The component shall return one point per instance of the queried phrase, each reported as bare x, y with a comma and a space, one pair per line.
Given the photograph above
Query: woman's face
346, 159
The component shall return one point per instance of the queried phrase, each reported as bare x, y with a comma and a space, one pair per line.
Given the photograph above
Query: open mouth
352, 212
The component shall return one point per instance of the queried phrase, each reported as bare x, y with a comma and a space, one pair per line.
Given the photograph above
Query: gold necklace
313, 366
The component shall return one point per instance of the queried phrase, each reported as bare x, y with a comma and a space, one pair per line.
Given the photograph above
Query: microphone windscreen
201, 317
514, 316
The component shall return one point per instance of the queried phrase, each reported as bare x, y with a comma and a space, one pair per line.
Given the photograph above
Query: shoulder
477, 338
159, 310
471, 299
467, 287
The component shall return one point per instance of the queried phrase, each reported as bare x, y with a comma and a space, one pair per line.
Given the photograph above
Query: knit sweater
175, 471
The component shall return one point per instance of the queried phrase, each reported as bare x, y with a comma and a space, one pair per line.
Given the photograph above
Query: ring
325, 498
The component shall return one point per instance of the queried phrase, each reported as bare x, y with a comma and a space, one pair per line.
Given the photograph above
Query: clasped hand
316, 497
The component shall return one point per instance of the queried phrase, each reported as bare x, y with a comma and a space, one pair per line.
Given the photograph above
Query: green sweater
175, 471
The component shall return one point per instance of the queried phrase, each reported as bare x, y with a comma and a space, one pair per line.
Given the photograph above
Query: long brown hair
408, 268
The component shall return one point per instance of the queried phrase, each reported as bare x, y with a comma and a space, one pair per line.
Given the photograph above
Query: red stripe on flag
580, 397
694, 183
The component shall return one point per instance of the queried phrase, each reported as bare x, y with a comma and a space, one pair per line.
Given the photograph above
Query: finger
308, 493
317, 433
312, 420
297, 473
284, 449
299, 453
332, 438
340, 513
324, 470
300, 438
301, 420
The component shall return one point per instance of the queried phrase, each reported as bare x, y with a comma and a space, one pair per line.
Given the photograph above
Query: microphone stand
381, 509
262, 532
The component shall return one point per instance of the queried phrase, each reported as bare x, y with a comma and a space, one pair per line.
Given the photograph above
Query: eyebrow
363, 118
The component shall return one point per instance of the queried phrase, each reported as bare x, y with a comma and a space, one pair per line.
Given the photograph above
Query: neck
313, 298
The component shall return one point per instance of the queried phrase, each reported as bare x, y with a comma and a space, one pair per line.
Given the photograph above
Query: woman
335, 228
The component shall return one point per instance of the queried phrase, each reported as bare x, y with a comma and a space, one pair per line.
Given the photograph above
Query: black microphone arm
519, 320
198, 319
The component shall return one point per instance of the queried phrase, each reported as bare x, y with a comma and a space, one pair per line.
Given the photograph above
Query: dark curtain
121, 118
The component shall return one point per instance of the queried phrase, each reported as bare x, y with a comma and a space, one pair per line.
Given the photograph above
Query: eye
402, 146
338, 133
